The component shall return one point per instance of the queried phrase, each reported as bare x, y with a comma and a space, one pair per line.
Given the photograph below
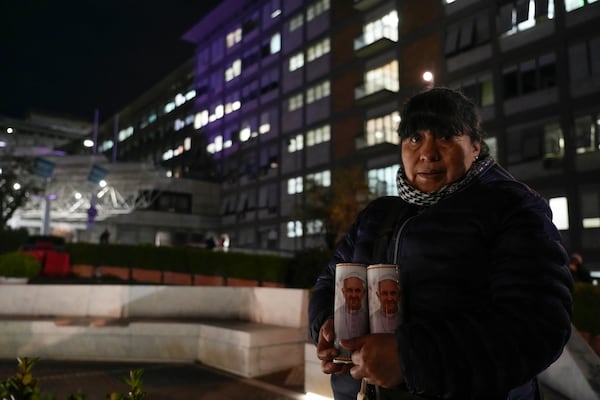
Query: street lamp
429, 78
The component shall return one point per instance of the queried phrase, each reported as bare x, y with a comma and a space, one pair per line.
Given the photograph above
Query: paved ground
160, 381
167, 381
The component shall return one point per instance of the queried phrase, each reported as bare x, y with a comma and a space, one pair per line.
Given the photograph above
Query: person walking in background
486, 290
104, 237
578, 271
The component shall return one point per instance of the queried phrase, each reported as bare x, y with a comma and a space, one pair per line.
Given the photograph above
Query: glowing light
427, 76
314, 396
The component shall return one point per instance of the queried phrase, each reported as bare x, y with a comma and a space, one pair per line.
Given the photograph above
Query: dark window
466, 34
522, 7
541, 8
473, 92
504, 18
578, 63
166, 201
530, 76
511, 83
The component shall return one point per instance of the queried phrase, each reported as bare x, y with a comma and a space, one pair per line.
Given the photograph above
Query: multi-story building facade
286, 91
533, 67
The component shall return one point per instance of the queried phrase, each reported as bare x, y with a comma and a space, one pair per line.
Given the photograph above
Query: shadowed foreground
160, 381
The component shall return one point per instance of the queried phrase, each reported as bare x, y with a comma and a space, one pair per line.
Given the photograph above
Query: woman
486, 292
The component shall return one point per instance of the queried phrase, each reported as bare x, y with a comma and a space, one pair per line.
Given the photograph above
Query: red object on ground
50, 252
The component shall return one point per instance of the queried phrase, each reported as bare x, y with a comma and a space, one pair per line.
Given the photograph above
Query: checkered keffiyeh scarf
414, 196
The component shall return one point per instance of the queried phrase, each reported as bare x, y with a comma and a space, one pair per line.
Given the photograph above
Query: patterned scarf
414, 196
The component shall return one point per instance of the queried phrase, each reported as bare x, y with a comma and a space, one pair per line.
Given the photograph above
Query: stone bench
248, 331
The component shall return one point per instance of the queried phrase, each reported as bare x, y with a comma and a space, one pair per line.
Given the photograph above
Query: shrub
23, 385
19, 265
305, 266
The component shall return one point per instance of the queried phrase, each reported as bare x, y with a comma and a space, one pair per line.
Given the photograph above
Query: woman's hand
326, 351
375, 357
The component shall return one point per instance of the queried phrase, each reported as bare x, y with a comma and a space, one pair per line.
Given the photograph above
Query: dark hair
442, 111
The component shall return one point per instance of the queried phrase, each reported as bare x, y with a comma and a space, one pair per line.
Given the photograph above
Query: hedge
261, 267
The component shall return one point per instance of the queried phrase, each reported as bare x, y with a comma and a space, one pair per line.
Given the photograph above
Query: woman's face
431, 162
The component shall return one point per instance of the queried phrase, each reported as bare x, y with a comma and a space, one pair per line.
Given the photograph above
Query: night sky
70, 57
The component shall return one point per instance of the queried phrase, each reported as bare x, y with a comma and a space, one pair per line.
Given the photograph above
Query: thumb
327, 331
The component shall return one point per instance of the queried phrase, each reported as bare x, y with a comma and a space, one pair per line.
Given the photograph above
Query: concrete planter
4, 280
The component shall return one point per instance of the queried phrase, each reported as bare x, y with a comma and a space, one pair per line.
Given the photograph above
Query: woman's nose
429, 149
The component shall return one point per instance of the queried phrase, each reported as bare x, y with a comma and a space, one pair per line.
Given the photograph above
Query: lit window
234, 70
170, 106
265, 125
190, 95
317, 8
275, 43
296, 144
320, 178
219, 111
294, 229
560, 212
125, 133
382, 78
296, 22
317, 92
201, 119
296, 61
318, 50
295, 185
179, 99
382, 181
314, 227
590, 207
234, 37
519, 16
384, 27
178, 124
167, 155
318, 135
245, 134
295, 102
106, 145
383, 129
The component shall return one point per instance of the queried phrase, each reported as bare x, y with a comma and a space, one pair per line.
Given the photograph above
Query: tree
16, 184
337, 205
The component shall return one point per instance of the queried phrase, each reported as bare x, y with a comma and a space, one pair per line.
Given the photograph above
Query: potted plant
16, 267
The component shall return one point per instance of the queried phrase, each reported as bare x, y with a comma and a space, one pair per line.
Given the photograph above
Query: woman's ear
476, 149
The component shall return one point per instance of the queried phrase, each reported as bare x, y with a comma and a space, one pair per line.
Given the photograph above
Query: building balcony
366, 48
363, 145
375, 91
364, 5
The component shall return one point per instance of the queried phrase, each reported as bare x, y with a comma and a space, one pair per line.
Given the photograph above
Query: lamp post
429, 78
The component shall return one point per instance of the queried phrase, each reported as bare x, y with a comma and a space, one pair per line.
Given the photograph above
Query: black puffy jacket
486, 288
